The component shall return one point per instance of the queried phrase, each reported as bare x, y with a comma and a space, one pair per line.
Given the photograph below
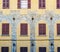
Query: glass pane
42, 49
23, 49
4, 49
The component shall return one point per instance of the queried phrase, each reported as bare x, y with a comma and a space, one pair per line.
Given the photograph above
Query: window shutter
5, 29
19, 3
58, 29
24, 29
29, 3
42, 4
42, 29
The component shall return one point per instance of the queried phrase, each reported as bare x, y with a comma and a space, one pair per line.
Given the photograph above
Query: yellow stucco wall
5, 37
42, 44
19, 37
56, 45
5, 44
23, 44
37, 30
50, 6
55, 30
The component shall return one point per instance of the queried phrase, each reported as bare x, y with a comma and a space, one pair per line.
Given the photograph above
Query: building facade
29, 25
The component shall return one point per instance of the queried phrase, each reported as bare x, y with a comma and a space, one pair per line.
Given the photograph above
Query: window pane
42, 49
42, 29
58, 29
24, 29
24, 3
58, 6
5, 29
4, 49
23, 49
58, 49
3, 5
7, 6
3, 0
43, 5
7, 0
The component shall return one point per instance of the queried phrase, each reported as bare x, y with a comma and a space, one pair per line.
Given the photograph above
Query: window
5, 29
42, 49
24, 3
5, 49
24, 29
23, 49
58, 29
42, 4
5, 4
42, 29
58, 4
58, 49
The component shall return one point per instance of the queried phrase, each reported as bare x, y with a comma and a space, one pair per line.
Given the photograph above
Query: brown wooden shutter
29, 3
42, 4
24, 29
42, 29
58, 29
5, 29
19, 3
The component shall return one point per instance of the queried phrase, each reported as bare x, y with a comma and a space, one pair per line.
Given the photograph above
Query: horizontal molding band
30, 40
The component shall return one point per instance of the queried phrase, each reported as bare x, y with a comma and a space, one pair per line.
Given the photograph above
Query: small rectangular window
5, 29
42, 4
42, 49
58, 49
42, 29
5, 4
58, 29
24, 3
24, 29
4, 49
23, 49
